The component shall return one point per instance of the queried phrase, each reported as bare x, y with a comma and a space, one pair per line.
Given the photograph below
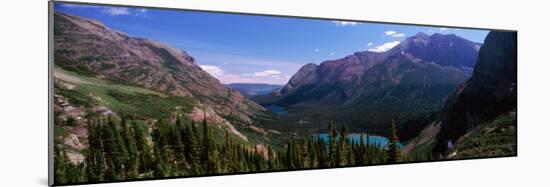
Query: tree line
120, 150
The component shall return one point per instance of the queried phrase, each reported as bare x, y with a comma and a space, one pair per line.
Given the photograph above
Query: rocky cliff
491, 90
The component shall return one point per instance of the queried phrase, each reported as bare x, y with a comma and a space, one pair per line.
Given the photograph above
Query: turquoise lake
372, 139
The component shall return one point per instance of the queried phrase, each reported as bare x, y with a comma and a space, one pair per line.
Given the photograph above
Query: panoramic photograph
147, 93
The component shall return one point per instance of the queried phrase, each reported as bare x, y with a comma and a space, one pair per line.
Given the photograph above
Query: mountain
490, 93
253, 89
445, 50
366, 88
90, 48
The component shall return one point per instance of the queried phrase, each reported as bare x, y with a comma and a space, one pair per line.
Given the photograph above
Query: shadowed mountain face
90, 48
491, 90
414, 77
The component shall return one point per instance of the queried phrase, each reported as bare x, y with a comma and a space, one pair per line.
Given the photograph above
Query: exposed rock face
350, 75
445, 50
416, 75
307, 74
89, 47
491, 91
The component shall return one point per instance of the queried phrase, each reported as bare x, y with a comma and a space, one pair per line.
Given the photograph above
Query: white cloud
142, 10
384, 47
332, 53
440, 30
345, 23
369, 44
77, 6
389, 33
316, 50
394, 34
265, 73
215, 71
112, 11
398, 35
116, 11
249, 67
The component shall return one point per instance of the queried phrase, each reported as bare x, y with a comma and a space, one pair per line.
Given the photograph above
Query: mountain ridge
93, 48
397, 81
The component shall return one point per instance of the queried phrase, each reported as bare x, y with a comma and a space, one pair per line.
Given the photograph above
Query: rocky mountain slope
90, 48
490, 92
412, 78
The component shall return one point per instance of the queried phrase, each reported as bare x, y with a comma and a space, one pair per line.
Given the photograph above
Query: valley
127, 107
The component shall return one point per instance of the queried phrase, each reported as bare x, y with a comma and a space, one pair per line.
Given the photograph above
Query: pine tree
206, 149
321, 153
144, 152
393, 149
132, 162
304, 154
161, 169
59, 166
95, 166
115, 149
344, 146
191, 150
110, 173
178, 148
333, 147
111, 150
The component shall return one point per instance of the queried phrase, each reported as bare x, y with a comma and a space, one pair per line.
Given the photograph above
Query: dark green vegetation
122, 150
495, 138
148, 105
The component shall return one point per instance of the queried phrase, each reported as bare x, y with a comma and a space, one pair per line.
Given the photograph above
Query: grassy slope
494, 138
129, 101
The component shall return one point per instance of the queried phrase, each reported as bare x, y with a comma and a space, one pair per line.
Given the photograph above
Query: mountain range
411, 79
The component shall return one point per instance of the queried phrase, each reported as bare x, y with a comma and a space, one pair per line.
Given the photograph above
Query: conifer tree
333, 147
60, 166
191, 150
132, 162
393, 149
113, 148
161, 168
178, 148
95, 166
305, 154
144, 152
206, 149
344, 146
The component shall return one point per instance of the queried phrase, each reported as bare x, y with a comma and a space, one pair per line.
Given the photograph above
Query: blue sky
255, 49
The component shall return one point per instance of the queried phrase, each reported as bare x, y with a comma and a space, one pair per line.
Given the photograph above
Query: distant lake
276, 109
373, 139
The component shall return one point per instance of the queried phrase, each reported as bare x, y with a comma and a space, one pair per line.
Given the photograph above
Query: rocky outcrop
307, 74
488, 93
